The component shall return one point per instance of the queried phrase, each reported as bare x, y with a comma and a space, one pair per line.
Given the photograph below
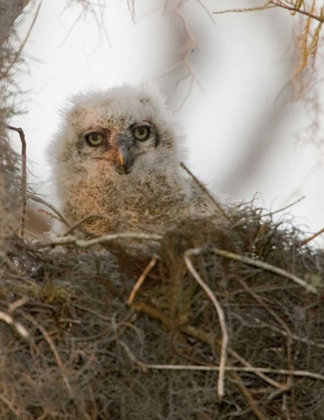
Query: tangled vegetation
81, 341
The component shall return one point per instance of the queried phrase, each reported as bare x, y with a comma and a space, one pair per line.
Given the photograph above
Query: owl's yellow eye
94, 139
142, 132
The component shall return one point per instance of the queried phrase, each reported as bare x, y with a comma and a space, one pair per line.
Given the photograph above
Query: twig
83, 220
298, 10
212, 297
21, 330
17, 304
141, 279
50, 206
286, 372
267, 267
307, 240
132, 357
92, 311
266, 6
265, 378
48, 214
72, 240
269, 5
205, 190
284, 208
21, 133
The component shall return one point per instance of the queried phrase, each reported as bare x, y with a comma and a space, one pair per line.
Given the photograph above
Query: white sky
241, 126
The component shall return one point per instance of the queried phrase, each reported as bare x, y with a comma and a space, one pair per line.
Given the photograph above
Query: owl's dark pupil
94, 139
141, 133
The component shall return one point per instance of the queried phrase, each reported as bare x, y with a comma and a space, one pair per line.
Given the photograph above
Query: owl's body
118, 155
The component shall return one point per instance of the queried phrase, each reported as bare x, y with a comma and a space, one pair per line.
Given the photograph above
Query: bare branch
141, 279
287, 372
315, 235
72, 240
50, 206
212, 297
23, 176
267, 267
18, 327
205, 190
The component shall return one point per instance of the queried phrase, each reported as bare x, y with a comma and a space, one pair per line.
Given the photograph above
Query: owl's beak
124, 158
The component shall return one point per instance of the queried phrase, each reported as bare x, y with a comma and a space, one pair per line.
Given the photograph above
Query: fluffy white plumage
118, 154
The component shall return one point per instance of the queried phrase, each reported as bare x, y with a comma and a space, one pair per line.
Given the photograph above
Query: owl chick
118, 155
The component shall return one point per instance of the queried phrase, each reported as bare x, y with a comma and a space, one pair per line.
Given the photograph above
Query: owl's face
121, 146
121, 131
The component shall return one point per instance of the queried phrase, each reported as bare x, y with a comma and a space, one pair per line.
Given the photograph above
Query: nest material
71, 347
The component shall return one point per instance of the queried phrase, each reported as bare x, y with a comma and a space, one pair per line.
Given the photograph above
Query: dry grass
88, 355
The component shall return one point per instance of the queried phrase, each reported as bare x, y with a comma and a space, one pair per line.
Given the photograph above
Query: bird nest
226, 322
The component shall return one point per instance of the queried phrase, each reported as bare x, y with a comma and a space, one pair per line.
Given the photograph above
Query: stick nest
72, 348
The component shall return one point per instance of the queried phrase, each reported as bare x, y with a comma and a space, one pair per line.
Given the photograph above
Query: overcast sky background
239, 117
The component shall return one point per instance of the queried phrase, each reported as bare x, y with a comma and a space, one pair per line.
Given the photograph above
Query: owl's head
122, 131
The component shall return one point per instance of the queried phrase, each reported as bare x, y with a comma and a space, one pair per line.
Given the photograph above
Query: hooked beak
125, 159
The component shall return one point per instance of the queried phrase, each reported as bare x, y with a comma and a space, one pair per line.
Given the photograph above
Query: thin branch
286, 372
205, 190
212, 297
132, 357
92, 311
298, 10
265, 378
307, 240
267, 267
81, 221
72, 240
48, 214
141, 279
19, 328
21, 133
50, 206
17, 304
267, 5
284, 208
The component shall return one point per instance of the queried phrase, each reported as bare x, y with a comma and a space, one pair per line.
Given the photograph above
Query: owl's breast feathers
129, 202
